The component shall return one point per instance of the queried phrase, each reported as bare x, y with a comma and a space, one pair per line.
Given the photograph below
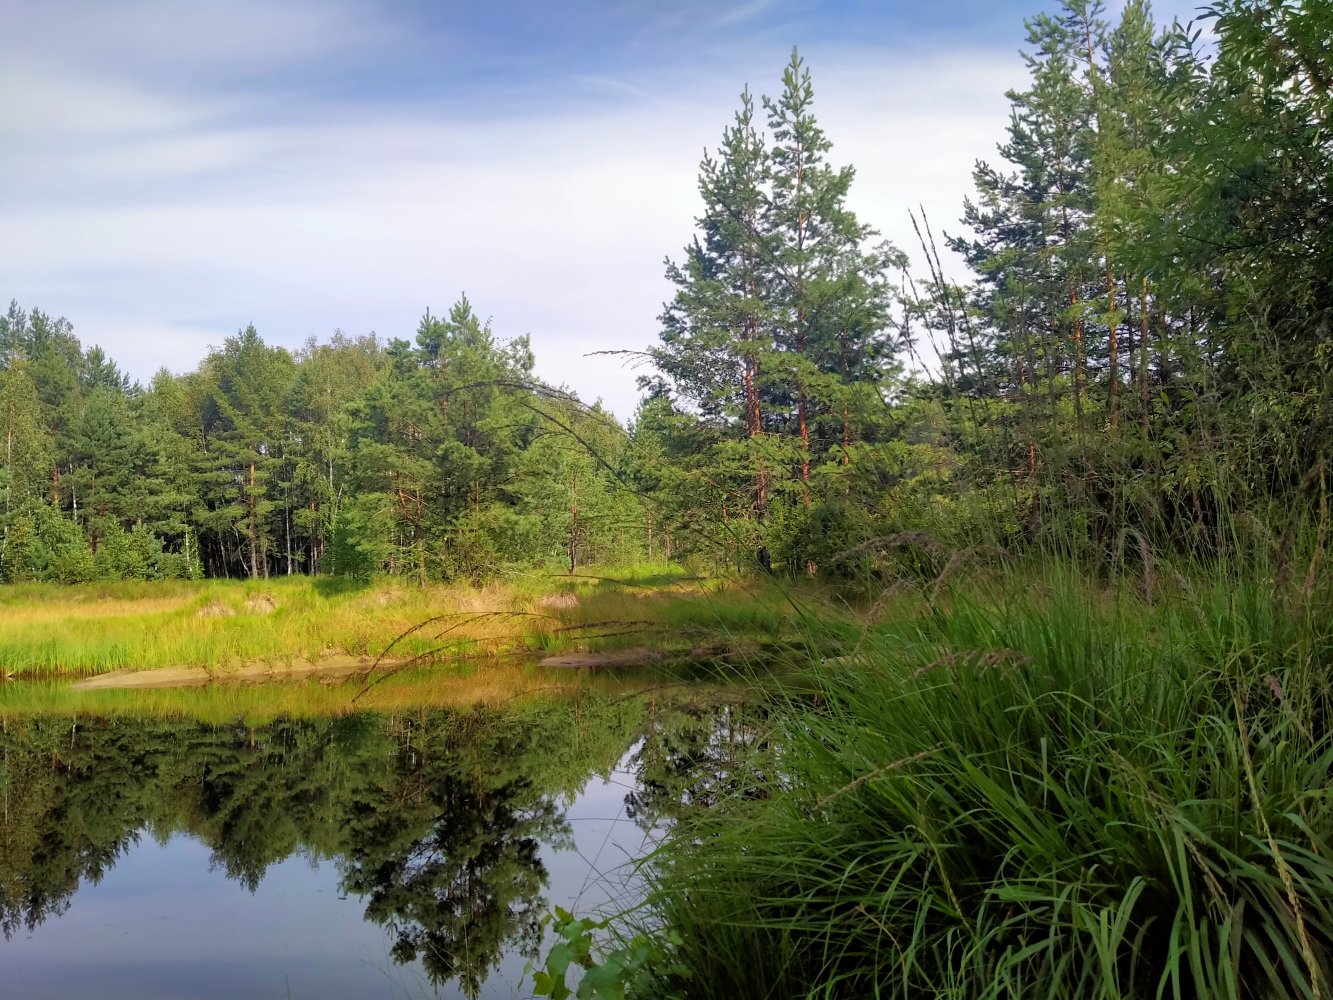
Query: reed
1034, 784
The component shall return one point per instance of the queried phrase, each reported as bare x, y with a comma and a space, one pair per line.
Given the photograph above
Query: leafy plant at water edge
627, 970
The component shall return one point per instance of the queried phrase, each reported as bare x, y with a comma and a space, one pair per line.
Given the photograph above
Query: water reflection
438, 826
436, 820
696, 757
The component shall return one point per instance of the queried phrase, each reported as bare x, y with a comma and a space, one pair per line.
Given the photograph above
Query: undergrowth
1033, 784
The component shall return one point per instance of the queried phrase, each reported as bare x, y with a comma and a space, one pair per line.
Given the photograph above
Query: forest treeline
1139, 359
429, 458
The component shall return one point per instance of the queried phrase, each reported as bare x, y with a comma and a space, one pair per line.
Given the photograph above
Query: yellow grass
493, 685
50, 631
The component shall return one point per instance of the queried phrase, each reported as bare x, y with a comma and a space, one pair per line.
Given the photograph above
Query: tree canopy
1141, 344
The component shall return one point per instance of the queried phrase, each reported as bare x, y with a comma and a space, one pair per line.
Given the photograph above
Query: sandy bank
248, 673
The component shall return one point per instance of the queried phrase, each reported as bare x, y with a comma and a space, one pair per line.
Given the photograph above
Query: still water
361, 856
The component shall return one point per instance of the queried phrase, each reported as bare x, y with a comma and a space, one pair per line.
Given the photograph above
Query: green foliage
351, 456
362, 537
25, 441
119, 558
1038, 788
778, 333
498, 537
633, 969
1140, 341
41, 545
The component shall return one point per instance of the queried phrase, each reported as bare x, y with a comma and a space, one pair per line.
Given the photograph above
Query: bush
122, 556
44, 545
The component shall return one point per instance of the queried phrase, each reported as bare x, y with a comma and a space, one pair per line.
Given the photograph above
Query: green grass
396, 691
49, 630
1033, 785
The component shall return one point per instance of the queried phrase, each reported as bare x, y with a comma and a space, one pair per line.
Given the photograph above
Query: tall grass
48, 630
1039, 786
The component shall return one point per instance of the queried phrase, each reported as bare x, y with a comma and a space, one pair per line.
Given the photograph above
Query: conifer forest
1138, 349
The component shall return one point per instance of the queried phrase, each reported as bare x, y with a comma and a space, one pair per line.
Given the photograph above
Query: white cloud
44, 98
743, 12
202, 41
160, 224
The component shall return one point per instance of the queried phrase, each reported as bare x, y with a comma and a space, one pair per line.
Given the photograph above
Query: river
364, 855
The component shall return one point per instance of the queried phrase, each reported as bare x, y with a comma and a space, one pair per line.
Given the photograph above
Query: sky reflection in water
460, 831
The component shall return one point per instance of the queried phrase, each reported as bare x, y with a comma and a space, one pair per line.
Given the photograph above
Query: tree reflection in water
695, 758
468, 888
437, 819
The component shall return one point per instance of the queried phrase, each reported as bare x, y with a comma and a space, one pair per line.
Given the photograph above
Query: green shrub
44, 545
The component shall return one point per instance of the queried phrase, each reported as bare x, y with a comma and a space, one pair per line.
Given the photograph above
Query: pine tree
249, 384
25, 446
330, 377
828, 296
1030, 234
717, 348
777, 336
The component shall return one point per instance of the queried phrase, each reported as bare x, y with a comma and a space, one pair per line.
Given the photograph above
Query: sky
173, 170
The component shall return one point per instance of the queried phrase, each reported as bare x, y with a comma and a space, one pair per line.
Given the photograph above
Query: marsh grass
1033, 784
48, 630
495, 685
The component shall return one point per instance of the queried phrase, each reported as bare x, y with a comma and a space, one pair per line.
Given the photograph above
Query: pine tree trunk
1066, 234
846, 413
1143, 362
800, 322
254, 526
753, 415
1078, 358
573, 539
802, 417
1131, 346
1023, 362
754, 420
753, 410
574, 525
1113, 349
805, 438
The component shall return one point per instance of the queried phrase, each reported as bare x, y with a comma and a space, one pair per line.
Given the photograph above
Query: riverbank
1035, 782
268, 628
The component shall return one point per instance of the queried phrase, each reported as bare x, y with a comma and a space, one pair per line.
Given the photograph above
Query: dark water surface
362, 856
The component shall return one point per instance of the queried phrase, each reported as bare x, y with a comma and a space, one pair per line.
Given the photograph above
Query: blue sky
171, 170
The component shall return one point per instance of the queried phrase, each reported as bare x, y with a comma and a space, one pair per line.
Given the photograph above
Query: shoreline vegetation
312, 646
297, 625
1021, 583
1033, 784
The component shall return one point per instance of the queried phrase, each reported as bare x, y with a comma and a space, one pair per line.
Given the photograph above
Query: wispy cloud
741, 13
201, 43
161, 219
